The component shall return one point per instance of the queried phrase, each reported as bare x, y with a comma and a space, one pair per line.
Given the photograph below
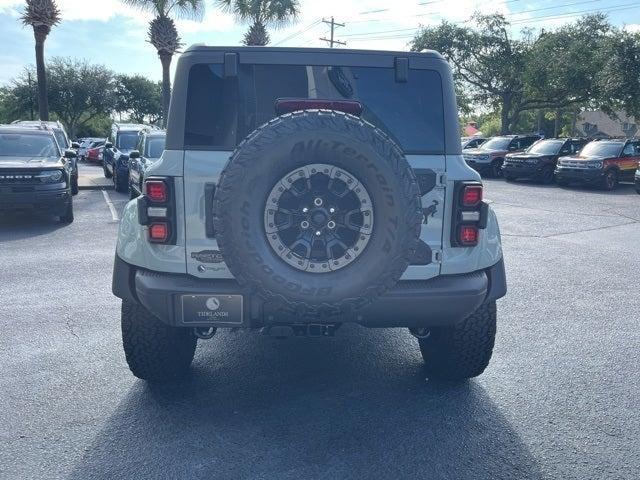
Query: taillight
156, 191
468, 235
471, 195
157, 210
159, 232
469, 214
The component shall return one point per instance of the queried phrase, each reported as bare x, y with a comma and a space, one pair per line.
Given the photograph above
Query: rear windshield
222, 111
25, 145
155, 147
127, 140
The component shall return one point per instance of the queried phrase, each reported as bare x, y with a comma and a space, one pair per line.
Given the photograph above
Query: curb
95, 187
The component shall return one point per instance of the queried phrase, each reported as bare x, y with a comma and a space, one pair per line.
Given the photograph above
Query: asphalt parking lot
559, 400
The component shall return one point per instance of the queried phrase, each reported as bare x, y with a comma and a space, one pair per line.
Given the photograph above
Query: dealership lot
559, 400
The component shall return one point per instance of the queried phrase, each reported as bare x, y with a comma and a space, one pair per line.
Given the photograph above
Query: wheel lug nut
318, 202
331, 224
304, 224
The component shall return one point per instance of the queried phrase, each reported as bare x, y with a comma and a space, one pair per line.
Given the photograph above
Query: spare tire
318, 212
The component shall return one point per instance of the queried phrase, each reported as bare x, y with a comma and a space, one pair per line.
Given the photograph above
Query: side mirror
108, 145
70, 154
75, 145
134, 154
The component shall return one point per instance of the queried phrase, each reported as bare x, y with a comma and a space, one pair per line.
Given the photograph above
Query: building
597, 124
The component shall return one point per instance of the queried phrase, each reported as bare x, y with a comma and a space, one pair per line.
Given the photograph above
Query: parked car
328, 200
87, 144
95, 155
489, 157
602, 163
63, 141
115, 162
472, 142
149, 150
538, 162
35, 174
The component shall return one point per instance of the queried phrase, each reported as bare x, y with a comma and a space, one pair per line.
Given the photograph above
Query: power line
298, 33
506, 16
614, 8
331, 40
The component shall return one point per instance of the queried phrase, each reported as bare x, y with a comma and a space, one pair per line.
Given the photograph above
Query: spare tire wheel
318, 212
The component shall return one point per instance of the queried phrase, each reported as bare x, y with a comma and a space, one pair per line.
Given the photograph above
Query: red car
95, 154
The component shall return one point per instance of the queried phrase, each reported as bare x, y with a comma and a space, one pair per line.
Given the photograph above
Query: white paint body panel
192, 170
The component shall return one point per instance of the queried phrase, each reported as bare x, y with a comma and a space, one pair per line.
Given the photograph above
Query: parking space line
112, 208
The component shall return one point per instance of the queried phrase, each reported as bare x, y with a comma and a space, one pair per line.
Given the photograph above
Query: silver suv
301, 189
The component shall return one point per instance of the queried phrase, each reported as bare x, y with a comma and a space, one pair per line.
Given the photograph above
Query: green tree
163, 34
565, 68
42, 15
79, 92
261, 14
487, 61
20, 97
620, 79
139, 98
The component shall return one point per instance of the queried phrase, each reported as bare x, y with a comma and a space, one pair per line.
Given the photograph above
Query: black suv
149, 150
34, 173
64, 143
538, 162
115, 162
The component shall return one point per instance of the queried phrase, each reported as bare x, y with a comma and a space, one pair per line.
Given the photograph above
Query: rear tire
74, 185
67, 217
155, 352
562, 183
610, 180
547, 175
107, 173
461, 351
119, 184
496, 169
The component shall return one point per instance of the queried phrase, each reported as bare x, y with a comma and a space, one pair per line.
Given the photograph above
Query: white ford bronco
301, 189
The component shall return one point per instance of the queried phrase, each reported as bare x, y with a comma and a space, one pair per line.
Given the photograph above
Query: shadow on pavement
351, 407
22, 225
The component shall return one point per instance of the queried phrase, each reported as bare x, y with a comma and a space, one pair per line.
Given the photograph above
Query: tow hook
204, 333
420, 332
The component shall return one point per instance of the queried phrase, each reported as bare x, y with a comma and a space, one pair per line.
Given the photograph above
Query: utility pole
331, 40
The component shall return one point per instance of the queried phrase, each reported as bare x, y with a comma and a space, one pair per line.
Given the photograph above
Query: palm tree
163, 35
42, 15
260, 14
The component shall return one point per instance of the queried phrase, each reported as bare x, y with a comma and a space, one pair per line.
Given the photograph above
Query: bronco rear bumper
421, 303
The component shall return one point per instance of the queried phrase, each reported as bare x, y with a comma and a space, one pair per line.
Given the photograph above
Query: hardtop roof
25, 130
201, 47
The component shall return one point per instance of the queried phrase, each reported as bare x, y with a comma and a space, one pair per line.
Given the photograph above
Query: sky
109, 33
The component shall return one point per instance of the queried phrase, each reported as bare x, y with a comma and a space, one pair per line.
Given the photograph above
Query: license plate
212, 309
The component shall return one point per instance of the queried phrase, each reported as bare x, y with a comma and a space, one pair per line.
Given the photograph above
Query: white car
301, 189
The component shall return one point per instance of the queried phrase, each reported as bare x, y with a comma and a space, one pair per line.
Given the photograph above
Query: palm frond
163, 35
41, 13
276, 13
184, 9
